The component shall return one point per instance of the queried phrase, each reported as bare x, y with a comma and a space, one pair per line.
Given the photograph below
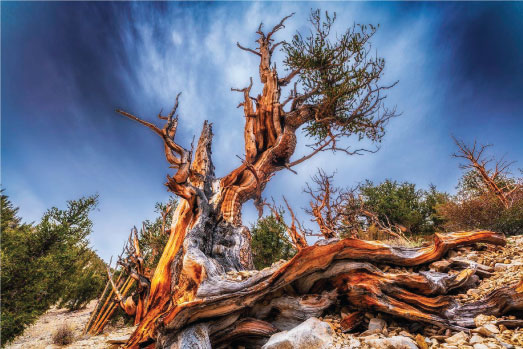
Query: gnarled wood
188, 296
329, 261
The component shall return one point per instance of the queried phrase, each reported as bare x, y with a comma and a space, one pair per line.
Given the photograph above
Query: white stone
492, 328
395, 342
480, 346
377, 324
458, 338
310, 334
475, 339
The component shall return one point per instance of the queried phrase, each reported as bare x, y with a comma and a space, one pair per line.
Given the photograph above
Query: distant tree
488, 197
45, 263
269, 242
483, 179
155, 233
433, 198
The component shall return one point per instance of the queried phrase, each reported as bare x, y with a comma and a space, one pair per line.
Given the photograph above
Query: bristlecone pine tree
191, 302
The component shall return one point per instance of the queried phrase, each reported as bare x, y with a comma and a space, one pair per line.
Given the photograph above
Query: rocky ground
380, 331
502, 266
40, 334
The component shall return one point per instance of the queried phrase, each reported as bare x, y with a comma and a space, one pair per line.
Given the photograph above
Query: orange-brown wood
207, 240
319, 258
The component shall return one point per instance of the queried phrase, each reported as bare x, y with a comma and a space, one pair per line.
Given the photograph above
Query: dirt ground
507, 262
39, 335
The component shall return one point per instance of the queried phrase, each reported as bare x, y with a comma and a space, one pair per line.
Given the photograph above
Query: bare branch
176, 155
278, 26
248, 49
110, 276
314, 152
297, 236
286, 80
476, 161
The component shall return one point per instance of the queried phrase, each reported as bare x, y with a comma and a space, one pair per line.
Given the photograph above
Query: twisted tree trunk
249, 311
190, 302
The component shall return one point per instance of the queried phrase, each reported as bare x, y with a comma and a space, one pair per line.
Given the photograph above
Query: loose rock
377, 324
396, 342
312, 334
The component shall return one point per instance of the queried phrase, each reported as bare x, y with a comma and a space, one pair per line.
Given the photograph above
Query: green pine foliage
269, 242
46, 263
155, 233
403, 204
339, 74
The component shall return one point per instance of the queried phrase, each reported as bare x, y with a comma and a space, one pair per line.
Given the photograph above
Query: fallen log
343, 269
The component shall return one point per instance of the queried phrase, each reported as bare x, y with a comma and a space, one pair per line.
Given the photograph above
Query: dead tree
133, 283
341, 211
326, 204
295, 230
493, 179
336, 94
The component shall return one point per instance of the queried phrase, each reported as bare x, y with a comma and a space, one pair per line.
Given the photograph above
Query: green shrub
510, 220
86, 284
402, 204
269, 242
44, 263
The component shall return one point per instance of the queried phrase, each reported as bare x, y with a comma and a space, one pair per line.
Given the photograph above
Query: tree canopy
46, 263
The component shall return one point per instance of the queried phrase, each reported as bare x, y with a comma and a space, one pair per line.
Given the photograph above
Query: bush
483, 212
402, 204
269, 243
63, 335
510, 220
44, 263
86, 284
476, 205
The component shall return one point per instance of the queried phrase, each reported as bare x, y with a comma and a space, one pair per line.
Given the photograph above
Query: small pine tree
154, 234
45, 263
269, 242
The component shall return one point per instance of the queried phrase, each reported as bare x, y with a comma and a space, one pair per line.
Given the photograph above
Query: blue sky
66, 67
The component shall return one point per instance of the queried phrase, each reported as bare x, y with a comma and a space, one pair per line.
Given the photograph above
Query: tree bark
341, 271
191, 302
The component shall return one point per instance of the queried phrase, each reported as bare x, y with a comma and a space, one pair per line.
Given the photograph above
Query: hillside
40, 334
376, 331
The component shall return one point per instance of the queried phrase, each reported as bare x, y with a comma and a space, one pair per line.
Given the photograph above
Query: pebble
377, 324
475, 339
491, 328
480, 346
458, 338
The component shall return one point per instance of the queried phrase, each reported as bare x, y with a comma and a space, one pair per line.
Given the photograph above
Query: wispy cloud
66, 66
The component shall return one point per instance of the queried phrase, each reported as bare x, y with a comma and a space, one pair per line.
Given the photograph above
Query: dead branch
490, 177
177, 156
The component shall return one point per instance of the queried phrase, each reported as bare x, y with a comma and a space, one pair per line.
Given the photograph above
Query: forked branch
176, 155
492, 178
294, 230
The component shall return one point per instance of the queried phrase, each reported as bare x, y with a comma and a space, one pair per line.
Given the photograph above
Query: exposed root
320, 275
